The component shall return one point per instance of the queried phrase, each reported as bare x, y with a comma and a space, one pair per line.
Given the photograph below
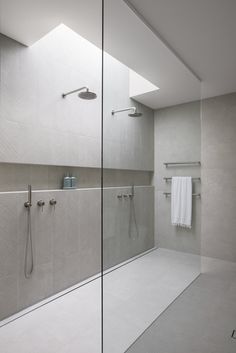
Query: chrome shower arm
123, 110
74, 91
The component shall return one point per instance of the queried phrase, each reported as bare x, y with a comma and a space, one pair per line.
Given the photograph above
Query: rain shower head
134, 112
85, 94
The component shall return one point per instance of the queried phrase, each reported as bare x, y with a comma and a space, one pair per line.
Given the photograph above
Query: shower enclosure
89, 124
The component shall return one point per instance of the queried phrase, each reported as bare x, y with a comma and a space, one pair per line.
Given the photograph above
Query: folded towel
181, 202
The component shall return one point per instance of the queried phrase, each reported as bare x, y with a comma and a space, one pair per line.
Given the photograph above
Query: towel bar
170, 178
182, 163
169, 193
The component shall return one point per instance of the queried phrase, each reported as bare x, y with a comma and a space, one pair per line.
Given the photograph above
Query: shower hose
133, 213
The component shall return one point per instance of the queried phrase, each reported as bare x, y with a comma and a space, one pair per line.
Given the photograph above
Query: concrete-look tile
7, 177
8, 234
39, 286
42, 228
8, 296
22, 177
177, 139
200, 320
218, 223
128, 225
17, 338
65, 220
113, 177
177, 238
89, 232
219, 155
60, 131
178, 133
39, 177
9, 135
36, 288
218, 120
66, 271
146, 280
71, 320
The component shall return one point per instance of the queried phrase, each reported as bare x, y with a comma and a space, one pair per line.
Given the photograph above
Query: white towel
181, 202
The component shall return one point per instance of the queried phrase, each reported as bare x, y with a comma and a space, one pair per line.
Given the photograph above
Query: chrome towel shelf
169, 193
182, 163
170, 178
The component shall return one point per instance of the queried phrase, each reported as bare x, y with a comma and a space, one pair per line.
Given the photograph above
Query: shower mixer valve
41, 203
53, 202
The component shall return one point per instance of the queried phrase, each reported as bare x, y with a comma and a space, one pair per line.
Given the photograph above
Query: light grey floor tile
201, 319
134, 295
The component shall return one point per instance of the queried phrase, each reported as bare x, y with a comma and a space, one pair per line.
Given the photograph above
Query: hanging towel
181, 202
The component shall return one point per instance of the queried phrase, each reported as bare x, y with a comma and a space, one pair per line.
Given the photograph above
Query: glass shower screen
147, 262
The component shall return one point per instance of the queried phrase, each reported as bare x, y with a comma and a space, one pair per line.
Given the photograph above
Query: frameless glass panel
150, 126
50, 176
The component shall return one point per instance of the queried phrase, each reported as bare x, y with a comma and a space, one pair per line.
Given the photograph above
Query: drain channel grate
234, 334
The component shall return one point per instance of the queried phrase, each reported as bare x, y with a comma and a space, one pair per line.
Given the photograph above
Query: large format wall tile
8, 296
177, 139
218, 149
8, 235
67, 239
121, 239
39, 285
218, 176
176, 238
38, 126
89, 233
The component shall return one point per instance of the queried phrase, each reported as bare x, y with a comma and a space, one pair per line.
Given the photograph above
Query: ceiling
202, 33
171, 42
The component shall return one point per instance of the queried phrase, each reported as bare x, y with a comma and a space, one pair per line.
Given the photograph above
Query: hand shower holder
28, 203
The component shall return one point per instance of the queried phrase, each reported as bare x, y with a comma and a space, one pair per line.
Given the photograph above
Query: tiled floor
134, 295
201, 320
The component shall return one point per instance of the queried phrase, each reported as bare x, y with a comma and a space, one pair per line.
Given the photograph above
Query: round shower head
133, 109
87, 95
135, 114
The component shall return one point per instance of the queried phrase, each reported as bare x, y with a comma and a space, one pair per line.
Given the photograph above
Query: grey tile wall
177, 139
37, 126
219, 175
66, 240
177, 134
121, 238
